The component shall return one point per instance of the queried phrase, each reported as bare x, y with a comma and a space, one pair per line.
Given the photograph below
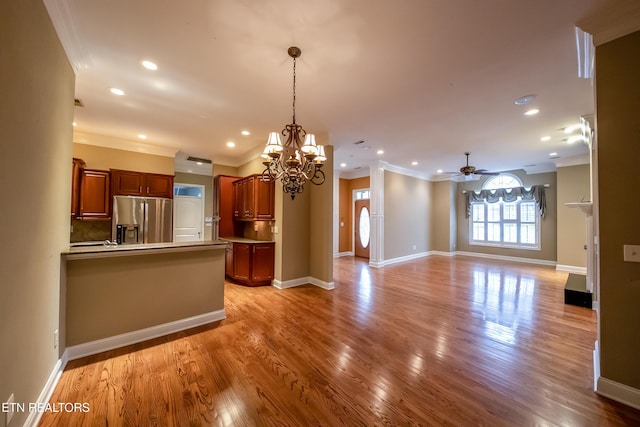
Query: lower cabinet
250, 263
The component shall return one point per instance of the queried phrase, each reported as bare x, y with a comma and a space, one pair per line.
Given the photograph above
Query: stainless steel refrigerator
141, 220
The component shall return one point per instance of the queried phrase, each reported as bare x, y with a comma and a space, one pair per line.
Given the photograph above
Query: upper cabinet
94, 194
131, 183
77, 166
253, 198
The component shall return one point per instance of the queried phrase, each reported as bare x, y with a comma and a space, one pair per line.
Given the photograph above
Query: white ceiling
423, 80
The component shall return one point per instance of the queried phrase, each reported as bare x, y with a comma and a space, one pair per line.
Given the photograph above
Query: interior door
362, 228
187, 219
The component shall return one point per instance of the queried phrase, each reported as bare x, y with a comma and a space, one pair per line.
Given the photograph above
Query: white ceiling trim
64, 23
612, 23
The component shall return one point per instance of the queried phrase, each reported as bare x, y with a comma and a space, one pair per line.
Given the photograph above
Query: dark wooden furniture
94, 198
250, 263
77, 165
253, 199
132, 183
223, 205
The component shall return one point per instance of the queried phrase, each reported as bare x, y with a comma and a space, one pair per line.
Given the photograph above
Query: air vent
78, 102
197, 159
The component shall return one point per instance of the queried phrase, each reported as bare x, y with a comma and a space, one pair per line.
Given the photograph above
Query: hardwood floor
436, 341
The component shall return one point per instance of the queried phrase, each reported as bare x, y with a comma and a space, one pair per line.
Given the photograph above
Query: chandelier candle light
299, 159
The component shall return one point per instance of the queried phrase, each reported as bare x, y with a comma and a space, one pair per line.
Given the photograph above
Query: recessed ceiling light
545, 138
343, 165
246, 133
553, 154
74, 123
117, 91
231, 144
142, 136
524, 99
380, 151
531, 112
440, 171
414, 163
149, 65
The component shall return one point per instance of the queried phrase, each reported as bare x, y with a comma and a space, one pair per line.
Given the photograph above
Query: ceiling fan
469, 170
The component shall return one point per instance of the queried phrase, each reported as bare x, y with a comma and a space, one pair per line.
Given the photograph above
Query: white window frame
501, 243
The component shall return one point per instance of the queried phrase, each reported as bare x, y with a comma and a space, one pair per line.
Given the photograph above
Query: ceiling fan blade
485, 172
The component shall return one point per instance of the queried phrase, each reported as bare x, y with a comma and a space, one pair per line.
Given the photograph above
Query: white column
376, 174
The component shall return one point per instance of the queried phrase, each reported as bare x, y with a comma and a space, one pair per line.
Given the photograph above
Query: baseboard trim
509, 258
34, 416
411, 257
619, 392
303, 281
341, 254
122, 340
443, 253
572, 269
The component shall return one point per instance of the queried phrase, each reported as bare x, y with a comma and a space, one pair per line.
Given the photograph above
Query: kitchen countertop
100, 251
243, 240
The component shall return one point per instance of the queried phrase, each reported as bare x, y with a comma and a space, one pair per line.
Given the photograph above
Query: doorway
188, 213
362, 224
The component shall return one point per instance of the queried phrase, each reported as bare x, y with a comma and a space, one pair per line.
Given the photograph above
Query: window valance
536, 193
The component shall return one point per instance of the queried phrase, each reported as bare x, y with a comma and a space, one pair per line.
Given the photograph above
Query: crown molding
612, 22
123, 144
65, 24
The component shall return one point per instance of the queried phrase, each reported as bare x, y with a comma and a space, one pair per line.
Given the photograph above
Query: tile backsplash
92, 230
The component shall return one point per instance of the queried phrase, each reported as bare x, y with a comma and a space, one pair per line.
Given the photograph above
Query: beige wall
618, 136
36, 112
407, 215
116, 295
225, 170
444, 227
574, 185
109, 158
207, 181
548, 251
321, 223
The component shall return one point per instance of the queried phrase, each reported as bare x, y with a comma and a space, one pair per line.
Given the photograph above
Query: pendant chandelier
299, 159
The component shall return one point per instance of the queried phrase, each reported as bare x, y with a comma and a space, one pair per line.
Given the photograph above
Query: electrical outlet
275, 229
56, 339
414, 247
10, 409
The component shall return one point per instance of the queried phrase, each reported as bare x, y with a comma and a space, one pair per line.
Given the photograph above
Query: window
362, 194
504, 224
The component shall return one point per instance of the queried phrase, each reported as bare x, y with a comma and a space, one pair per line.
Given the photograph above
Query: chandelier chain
294, 90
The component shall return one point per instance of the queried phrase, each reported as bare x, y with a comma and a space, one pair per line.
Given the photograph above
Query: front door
362, 225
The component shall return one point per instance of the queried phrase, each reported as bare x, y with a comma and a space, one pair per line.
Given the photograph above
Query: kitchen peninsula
119, 295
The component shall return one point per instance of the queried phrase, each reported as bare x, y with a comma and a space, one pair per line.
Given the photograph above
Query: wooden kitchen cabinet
77, 166
94, 199
224, 205
132, 183
250, 263
254, 199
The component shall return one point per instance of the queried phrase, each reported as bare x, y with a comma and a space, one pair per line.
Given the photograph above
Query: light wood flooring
436, 341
